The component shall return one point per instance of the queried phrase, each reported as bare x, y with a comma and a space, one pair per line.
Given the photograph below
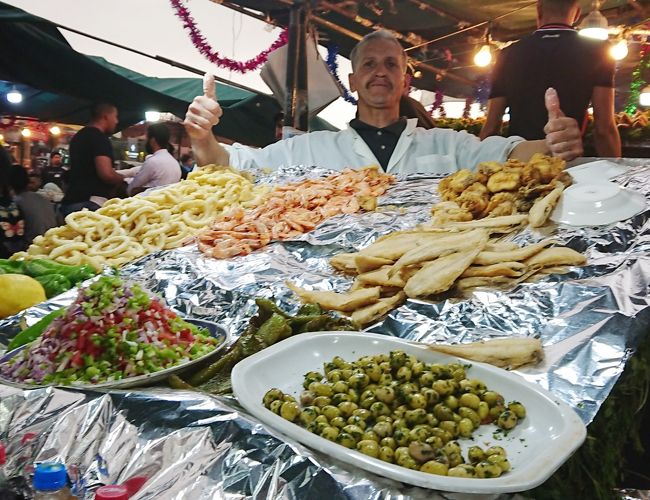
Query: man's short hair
160, 132
558, 7
375, 35
100, 109
185, 157
55, 153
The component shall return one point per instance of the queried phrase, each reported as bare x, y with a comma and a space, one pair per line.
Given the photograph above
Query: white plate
541, 442
597, 204
215, 330
596, 171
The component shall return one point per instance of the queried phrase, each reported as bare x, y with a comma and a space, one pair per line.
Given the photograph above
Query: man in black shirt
579, 68
92, 179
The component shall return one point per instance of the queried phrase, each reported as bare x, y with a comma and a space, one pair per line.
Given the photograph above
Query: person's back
554, 57
84, 180
38, 211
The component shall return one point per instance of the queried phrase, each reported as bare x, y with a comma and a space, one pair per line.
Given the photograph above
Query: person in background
579, 68
34, 181
38, 212
187, 165
12, 222
160, 167
410, 108
91, 179
378, 136
53, 173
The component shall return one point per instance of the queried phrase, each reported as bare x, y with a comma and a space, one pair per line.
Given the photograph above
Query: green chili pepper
54, 284
11, 266
273, 329
33, 332
223, 364
175, 382
310, 310
43, 267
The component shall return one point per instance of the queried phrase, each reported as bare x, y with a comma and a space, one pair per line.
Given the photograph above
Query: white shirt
159, 169
438, 151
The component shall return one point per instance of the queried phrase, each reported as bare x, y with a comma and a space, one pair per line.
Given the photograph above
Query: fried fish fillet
373, 312
337, 301
396, 244
504, 220
507, 269
543, 207
382, 277
365, 263
344, 262
556, 256
509, 353
439, 248
523, 253
439, 275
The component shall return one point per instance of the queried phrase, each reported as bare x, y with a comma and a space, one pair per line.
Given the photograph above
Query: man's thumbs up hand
204, 112
563, 136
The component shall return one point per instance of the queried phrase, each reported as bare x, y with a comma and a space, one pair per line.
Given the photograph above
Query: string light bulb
594, 25
26, 133
55, 130
152, 116
14, 97
644, 97
483, 57
619, 50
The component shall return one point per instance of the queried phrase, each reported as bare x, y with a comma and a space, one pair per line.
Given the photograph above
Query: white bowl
597, 204
596, 171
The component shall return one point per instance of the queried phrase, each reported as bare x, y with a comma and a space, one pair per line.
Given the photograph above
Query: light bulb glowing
619, 50
14, 97
594, 25
644, 97
26, 133
483, 57
55, 130
152, 116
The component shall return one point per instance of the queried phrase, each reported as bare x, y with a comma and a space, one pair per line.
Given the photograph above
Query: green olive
346, 373
445, 436
386, 454
370, 448
321, 401
443, 387
362, 414
401, 453
469, 400
421, 452
400, 411
442, 412
370, 435
400, 423
465, 428
455, 459
518, 409
338, 422
404, 374
316, 427
307, 398
419, 433
321, 389
308, 415
416, 400
495, 411
397, 359
426, 379
385, 394
358, 421
432, 420
339, 398
462, 470
475, 454
451, 402
384, 418
451, 447
353, 394
328, 367
487, 470
335, 376
330, 433
340, 387
450, 426
373, 371
434, 467
389, 442
385, 379
501, 461
338, 361
330, 412
344, 439
289, 411
465, 412
507, 420
435, 441
491, 398
458, 374
495, 450
358, 381
378, 408
417, 368
367, 403
347, 408
383, 429
353, 430
311, 377
272, 395
382, 358
483, 411
401, 436
276, 405
384, 366
415, 417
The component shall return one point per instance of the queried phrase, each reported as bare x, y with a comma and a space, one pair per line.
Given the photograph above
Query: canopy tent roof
61, 84
417, 22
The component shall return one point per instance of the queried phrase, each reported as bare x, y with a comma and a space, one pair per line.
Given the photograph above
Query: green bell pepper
54, 284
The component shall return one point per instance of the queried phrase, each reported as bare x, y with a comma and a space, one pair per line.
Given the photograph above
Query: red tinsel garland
203, 46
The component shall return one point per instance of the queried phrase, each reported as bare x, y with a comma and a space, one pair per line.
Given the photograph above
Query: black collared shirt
553, 56
381, 141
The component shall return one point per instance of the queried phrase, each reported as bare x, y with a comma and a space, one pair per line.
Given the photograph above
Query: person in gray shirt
38, 211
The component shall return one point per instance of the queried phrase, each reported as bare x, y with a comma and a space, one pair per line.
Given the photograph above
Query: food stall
182, 442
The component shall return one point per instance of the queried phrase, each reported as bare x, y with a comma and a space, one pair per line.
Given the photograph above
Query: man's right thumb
209, 86
552, 102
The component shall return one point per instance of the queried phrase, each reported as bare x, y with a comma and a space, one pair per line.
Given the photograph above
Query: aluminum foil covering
193, 445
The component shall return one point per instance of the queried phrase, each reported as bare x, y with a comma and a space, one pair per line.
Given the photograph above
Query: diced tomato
76, 360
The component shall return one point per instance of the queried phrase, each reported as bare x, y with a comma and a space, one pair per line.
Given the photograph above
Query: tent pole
296, 112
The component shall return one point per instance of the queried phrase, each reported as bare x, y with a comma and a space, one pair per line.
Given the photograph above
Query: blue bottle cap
50, 476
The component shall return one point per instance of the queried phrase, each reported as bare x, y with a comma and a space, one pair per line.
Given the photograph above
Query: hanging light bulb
417, 74
644, 97
55, 130
619, 50
483, 57
152, 116
594, 25
13, 96
26, 133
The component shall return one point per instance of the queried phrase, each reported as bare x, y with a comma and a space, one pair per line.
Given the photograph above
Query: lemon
18, 292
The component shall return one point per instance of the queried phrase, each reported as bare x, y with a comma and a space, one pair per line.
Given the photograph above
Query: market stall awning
60, 84
446, 63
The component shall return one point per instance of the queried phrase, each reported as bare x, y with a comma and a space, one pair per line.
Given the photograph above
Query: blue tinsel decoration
332, 64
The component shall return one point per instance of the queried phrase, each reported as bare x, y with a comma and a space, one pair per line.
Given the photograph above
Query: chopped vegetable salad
112, 331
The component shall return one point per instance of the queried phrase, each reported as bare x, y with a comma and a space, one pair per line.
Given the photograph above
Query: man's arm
139, 182
494, 119
104, 168
606, 137
204, 113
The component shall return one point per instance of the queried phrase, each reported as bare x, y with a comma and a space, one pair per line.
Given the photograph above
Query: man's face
33, 183
111, 121
55, 161
379, 76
